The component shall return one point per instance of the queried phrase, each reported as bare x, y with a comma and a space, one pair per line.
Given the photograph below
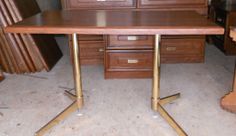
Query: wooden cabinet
130, 56
226, 17
98, 4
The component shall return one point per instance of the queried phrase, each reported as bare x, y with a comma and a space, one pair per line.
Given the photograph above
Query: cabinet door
172, 3
98, 4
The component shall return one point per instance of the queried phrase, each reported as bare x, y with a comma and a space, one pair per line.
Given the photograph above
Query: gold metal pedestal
157, 102
77, 99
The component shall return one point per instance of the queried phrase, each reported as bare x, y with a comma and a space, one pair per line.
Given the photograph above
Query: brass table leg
77, 99
157, 102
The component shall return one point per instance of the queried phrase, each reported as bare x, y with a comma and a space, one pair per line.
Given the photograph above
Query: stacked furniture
24, 53
224, 14
130, 56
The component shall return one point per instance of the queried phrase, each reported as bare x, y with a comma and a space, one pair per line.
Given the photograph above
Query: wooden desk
228, 102
117, 22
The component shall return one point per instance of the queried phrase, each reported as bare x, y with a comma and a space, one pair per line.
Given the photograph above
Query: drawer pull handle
132, 38
219, 19
132, 61
101, 0
101, 50
171, 48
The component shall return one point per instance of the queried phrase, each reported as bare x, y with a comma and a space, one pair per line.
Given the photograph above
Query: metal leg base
61, 116
166, 115
77, 99
169, 99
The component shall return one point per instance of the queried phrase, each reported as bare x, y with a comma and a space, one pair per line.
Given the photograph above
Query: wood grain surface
117, 22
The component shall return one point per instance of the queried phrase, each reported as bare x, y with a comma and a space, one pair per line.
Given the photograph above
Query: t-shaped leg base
77, 99
157, 102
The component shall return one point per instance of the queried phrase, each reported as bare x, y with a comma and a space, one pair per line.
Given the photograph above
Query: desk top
117, 22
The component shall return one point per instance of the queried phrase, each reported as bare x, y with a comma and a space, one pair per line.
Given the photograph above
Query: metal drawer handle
132, 61
219, 19
101, 50
101, 0
171, 48
132, 38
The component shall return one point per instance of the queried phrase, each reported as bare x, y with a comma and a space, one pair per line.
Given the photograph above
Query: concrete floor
120, 107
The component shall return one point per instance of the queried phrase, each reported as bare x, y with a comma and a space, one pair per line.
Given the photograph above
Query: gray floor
120, 107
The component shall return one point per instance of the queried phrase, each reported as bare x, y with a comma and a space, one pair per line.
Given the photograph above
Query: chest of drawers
130, 56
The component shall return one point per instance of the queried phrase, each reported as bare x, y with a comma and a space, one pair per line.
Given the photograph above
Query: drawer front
183, 46
182, 59
129, 60
91, 50
91, 38
98, 4
173, 3
130, 42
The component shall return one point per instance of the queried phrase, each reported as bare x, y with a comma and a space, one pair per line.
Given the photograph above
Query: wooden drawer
187, 46
130, 42
132, 60
182, 58
91, 48
98, 4
173, 3
91, 52
91, 38
200, 6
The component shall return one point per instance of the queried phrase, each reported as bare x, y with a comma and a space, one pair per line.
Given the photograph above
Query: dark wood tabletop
117, 22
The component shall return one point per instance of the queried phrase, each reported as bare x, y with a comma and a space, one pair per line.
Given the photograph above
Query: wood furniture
1, 75
128, 49
24, 53
117, 23
228, 102
224, 15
